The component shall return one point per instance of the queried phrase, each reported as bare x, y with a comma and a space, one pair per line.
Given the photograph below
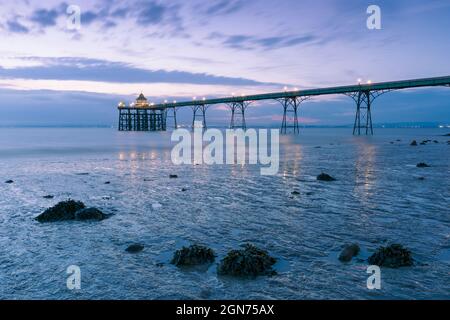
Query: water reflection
365, 166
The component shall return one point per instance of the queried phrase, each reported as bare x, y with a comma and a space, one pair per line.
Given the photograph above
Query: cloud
16, 27
44, 17
224, 7
247, 42
83, 69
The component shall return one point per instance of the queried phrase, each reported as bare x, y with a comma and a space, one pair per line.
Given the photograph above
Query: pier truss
154, 116
172, 113
199, 113
363, 117
238, 114
291, 106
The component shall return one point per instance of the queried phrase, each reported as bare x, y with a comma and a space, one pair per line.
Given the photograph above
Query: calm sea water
377, 199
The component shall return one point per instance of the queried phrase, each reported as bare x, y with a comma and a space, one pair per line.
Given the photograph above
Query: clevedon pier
144, 116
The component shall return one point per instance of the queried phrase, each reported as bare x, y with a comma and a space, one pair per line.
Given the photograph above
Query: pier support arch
238, 114
291, 106
363, 118
199, 113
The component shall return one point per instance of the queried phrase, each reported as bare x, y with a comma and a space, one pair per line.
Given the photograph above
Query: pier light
233, 94
194, 98
369, 81
204, 99
174, 101
285, 88
165, 101
296, 89
359, 81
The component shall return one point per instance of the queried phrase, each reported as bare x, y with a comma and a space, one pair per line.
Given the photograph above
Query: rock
63, 211
446, 135
135, 248
423, 143
173, 176
108, 182
184, 190
421, 178
435, 141
393, 256
82, 174
248, 262
325, 177
48, 197
193, 255
349, 252
9, 181
414, 143
422, 165
295, 193
89, 214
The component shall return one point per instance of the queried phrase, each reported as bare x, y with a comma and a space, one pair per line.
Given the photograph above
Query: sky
53, 74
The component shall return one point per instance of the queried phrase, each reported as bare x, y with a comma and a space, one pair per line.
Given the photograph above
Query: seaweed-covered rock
422, 165
349, 252
414, 143
64, 210
173, 176
48, 196
135, 248
9, 181
295, 193
325, 177
393, 256
250, 261
89, 214
193, 255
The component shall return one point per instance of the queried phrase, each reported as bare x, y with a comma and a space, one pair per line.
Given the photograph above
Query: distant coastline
397, 125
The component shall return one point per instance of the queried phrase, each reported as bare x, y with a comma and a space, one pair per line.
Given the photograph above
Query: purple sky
179, 49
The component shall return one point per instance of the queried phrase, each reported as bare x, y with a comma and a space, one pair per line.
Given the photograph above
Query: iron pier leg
290, 105
363, 117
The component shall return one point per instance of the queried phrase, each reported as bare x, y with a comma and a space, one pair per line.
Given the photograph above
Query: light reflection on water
376, 199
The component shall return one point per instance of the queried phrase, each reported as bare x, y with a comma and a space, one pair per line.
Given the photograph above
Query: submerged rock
108, 182
184, 189
9, 181
295, 193
135, 248
325, 177
249, 261
89, 214
64, 210
349, 252
414, 143
193, 255
393, 256
421, 178
422, 165
173, 176
48, 197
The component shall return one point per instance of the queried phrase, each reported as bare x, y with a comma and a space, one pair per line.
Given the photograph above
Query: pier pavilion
141, 116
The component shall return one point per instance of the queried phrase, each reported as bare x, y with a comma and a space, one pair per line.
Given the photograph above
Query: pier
144, 116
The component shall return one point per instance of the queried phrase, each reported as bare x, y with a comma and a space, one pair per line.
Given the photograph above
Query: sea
380, 197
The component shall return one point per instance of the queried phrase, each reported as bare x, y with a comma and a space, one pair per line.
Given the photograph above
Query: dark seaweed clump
248, 262
64, 210
393, 256
193, 255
